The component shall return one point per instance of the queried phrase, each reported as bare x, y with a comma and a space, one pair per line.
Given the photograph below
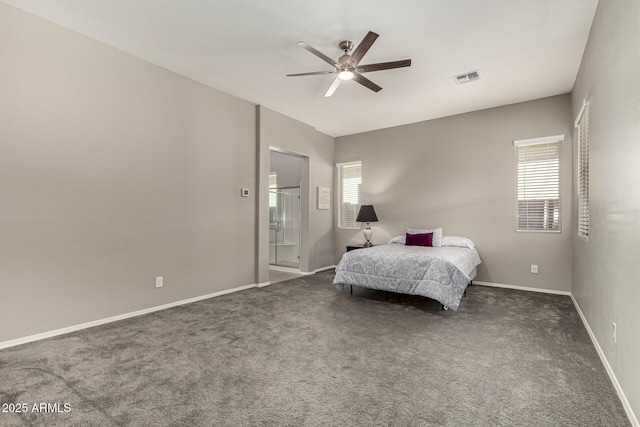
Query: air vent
467, 77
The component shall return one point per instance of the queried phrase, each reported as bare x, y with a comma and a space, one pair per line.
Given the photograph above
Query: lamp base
367, 236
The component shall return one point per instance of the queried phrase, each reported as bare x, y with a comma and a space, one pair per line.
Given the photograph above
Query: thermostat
244, 192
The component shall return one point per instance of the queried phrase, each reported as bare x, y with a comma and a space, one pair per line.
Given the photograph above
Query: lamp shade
367, 214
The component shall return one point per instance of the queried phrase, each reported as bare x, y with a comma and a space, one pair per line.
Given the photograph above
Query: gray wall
284, 133
459, 173
605, 269
113, 171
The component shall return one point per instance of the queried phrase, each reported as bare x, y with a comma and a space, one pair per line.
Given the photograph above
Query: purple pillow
425, 239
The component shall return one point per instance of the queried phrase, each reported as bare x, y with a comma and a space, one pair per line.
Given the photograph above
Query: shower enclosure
284, 226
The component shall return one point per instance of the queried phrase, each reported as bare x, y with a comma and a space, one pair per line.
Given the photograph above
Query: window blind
539, 205
583, 171
350, 183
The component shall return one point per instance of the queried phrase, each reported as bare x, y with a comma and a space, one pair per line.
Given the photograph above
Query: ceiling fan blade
333, 87
313, 73
363, 47
319, 54
367, 83
383, 66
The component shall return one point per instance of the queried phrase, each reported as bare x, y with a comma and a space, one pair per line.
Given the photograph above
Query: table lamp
367, 214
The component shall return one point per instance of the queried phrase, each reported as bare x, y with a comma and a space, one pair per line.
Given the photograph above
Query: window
582, 123
350, 180
539, 171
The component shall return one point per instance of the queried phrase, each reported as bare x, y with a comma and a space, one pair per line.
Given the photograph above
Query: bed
440, 273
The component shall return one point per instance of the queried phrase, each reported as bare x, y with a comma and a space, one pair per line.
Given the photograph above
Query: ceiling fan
348, 67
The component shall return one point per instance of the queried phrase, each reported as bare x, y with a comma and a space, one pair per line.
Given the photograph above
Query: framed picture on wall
324, 198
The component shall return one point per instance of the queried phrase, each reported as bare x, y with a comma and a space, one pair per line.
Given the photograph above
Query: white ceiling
523, 49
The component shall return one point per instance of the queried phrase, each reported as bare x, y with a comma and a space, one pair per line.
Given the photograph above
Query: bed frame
386, 294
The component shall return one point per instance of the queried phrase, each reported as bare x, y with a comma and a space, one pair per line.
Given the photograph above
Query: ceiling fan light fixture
345, 75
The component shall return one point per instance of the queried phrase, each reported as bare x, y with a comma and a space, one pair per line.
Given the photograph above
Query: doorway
284, 209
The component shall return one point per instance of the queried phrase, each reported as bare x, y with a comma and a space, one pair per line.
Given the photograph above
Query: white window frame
582, 124
341, 220
528, 186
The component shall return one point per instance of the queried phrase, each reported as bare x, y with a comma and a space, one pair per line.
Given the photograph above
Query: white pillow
401, 239
461, 242
437, 234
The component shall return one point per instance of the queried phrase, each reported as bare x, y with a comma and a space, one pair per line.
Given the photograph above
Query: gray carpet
297, 353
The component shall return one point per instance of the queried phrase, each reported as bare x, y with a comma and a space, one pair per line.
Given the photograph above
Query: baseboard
522, 288
607, 366
68, 329
263, 284
289, 270
297, 271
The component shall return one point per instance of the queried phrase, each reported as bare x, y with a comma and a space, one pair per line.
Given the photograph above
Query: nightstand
352, 247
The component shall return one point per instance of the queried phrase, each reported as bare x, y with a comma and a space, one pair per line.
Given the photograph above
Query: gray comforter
439, 273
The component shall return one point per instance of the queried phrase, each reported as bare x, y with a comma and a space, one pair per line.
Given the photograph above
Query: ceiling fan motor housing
344, 60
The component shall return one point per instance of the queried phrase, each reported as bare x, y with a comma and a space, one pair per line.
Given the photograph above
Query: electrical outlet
534, 269
159, 282
615, 333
